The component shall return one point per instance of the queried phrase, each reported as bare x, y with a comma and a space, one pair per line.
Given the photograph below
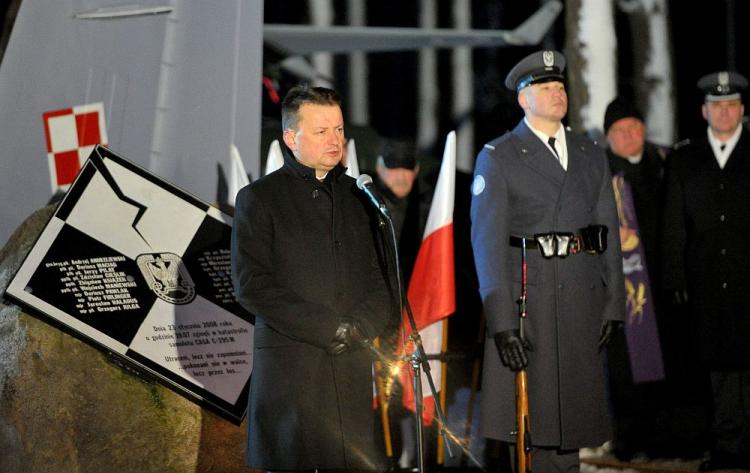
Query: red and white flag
71, 134
275, 159
432, 288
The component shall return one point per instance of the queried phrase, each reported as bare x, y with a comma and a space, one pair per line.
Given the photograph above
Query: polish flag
432, 289
237, 174
275, 159
352, 164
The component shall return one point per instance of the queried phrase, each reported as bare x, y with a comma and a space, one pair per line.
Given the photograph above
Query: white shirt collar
560, 143
723, 156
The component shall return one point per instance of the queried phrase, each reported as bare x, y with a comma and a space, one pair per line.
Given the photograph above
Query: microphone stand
419, 361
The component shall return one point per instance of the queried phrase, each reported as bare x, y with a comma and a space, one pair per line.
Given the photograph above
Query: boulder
65, 407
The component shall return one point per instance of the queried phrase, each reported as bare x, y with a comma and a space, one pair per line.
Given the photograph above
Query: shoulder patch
477, 187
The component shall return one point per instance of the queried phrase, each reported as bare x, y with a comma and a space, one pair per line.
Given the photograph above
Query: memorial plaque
141, 269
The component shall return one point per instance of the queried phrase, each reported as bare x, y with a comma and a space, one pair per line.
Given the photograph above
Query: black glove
609, 327
512, 349
348, 335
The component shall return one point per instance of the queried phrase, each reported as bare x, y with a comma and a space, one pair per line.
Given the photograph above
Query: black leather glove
512, 349
349, 334
607, 331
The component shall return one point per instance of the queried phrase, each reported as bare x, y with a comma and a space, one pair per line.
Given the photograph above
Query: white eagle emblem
549, 58
167, 276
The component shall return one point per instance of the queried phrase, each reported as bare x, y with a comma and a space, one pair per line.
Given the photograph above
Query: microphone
364, 182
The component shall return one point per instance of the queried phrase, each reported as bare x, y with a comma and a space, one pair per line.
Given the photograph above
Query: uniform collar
306, 172
722, 156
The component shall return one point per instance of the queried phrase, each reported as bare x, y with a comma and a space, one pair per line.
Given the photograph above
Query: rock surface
64, 407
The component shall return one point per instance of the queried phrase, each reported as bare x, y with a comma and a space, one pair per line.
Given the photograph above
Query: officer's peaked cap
723, 85
541, 66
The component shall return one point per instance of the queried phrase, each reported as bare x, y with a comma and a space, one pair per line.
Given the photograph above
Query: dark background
705, 38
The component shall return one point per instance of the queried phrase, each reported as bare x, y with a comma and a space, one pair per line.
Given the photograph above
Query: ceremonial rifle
523, 434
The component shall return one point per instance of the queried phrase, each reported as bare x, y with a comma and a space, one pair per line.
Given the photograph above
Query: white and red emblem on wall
71, 135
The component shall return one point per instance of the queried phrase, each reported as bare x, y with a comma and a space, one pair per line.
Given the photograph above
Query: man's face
547, 101
723, 116
399, 180
626, 137
318, 142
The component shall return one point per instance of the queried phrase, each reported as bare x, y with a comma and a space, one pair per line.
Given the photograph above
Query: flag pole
474, 387
419, 362
443, 386
384, 411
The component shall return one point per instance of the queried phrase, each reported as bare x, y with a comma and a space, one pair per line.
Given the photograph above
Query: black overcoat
304, 255
520, 189
705, 247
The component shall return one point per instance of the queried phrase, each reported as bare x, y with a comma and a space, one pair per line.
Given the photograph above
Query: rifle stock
523, 436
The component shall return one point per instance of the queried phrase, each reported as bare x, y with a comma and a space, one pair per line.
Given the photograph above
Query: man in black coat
642, 166
636, 406
706, 228
541, 179
306, 263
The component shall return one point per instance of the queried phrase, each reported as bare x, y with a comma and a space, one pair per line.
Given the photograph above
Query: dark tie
551, 142
723, 146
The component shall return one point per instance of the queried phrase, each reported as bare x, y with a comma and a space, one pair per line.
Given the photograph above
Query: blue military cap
541, 66
724, 85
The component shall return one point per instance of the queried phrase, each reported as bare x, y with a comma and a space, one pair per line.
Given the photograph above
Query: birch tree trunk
359, 112
652, 52
427, 124
321, 14
591, 61
463, 87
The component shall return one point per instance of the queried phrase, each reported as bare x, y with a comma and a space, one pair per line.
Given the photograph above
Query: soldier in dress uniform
706, 262
548, 187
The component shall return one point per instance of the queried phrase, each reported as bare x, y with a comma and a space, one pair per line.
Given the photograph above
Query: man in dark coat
541, 179
306, 263
706, 227
407, 197
642, 166
636, 407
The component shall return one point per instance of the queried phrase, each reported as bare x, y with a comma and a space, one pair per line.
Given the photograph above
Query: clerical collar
634, 159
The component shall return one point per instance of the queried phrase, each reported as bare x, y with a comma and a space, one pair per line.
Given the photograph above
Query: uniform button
722, 217
338, 244
723, 251
591, 286
315, 193
721, 186
560, 286
723, 285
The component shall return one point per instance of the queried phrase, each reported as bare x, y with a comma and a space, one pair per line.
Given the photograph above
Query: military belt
591, 240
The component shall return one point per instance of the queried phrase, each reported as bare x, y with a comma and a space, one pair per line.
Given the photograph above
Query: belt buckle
563, 240
547, 244
576, 245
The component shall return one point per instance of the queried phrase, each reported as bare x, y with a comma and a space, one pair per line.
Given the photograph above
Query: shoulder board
681, 144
